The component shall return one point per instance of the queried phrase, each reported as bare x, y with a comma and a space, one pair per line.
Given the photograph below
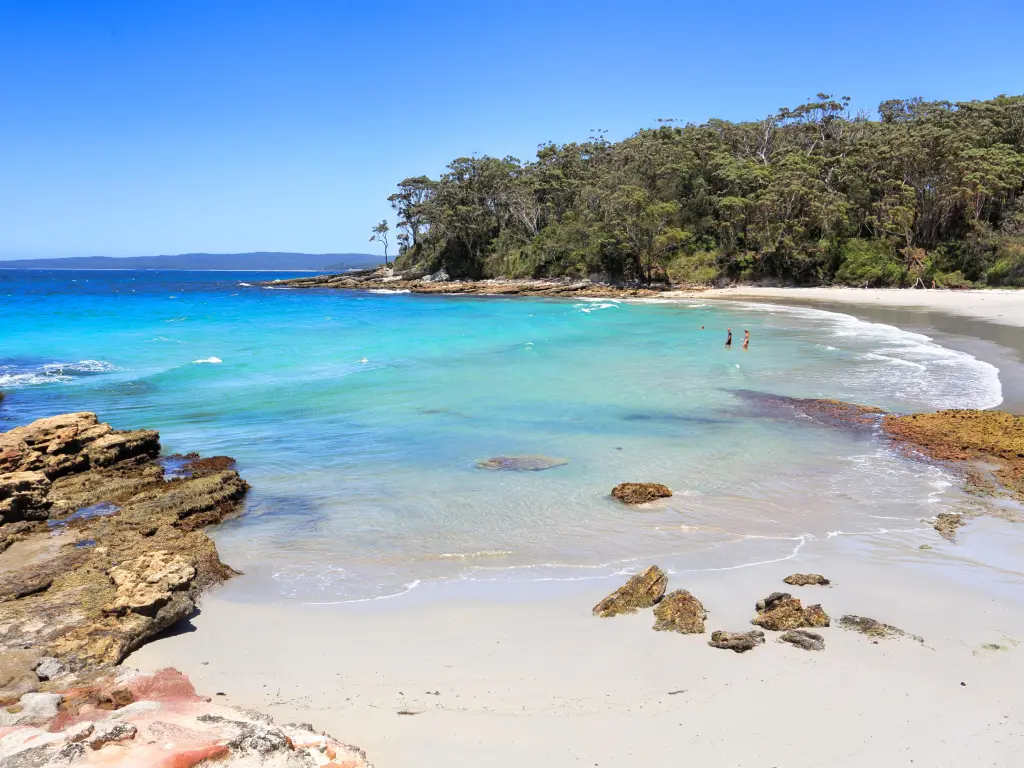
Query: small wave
213, 360
51, 373
471, 555
591, 306
388, 290
406, 588
246, 285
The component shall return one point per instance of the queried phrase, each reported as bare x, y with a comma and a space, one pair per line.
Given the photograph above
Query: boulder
806, 580
521, 463
640, 493
736, 641
679, 611
781, 611
802, 638
641, 591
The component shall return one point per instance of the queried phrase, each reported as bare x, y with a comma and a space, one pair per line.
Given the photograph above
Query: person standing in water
728, 338
746, 339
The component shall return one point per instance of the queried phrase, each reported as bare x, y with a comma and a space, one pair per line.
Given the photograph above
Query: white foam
388, 290
212, 360
51, 373
903, 363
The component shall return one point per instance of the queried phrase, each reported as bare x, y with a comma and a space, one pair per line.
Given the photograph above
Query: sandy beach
487, 676
1005, 307
476, 673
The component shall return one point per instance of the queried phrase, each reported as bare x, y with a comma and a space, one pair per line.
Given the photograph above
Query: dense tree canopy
927, 191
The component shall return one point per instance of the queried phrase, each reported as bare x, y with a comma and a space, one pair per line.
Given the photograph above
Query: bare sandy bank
1005, 307
485, 674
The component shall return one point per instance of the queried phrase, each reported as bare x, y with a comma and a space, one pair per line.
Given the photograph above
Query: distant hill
317, 262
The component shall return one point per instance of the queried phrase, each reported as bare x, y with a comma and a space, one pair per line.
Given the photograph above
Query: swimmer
728, 339
746, 339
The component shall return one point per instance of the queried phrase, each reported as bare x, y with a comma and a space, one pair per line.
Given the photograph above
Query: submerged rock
873, 628
679, 611
781, 611
640, 493
737, 641
120, 555
642, 591
806, 580
521, 463
836, 413
802, 638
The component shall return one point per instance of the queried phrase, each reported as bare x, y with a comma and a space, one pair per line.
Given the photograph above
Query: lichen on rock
740, 642
679, 611
965, 436
781, 611
806, 580
641, 591
640, 493
802, 638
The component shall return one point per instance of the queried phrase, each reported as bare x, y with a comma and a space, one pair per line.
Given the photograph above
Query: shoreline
494, 676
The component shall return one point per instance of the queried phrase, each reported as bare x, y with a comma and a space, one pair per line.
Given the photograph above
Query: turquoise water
358, 419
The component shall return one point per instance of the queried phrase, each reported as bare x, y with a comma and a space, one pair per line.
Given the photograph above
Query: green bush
870, 263
1008, 271
700, 268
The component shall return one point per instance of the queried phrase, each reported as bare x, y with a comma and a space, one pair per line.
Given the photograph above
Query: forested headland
923, 191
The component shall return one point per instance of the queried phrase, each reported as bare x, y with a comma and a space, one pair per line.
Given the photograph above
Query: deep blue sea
358, 419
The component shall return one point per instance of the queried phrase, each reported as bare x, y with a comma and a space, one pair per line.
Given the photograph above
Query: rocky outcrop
679, 611
640, 493
873, 628
736, 641
123, 717
417, 282
641, 591
802, 638
781, 611
966, 436
806, 580
521, 463
98, 552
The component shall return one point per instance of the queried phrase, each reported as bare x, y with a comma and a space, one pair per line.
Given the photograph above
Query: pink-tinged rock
130, 719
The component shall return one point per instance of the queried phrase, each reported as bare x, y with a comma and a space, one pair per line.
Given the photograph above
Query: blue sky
136, 128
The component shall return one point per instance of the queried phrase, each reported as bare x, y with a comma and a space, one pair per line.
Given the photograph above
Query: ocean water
358, 419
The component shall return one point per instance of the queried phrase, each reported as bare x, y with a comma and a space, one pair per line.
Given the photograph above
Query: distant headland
260, 260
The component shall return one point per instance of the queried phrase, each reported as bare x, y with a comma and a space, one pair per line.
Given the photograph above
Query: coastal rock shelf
98, 551
123, 717
412, 282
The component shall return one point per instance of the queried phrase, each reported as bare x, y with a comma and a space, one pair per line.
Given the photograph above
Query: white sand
537, 681
1000, 306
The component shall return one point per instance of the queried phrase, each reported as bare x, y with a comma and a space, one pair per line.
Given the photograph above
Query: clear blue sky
136, 128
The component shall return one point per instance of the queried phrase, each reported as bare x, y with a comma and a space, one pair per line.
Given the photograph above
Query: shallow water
359, 418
